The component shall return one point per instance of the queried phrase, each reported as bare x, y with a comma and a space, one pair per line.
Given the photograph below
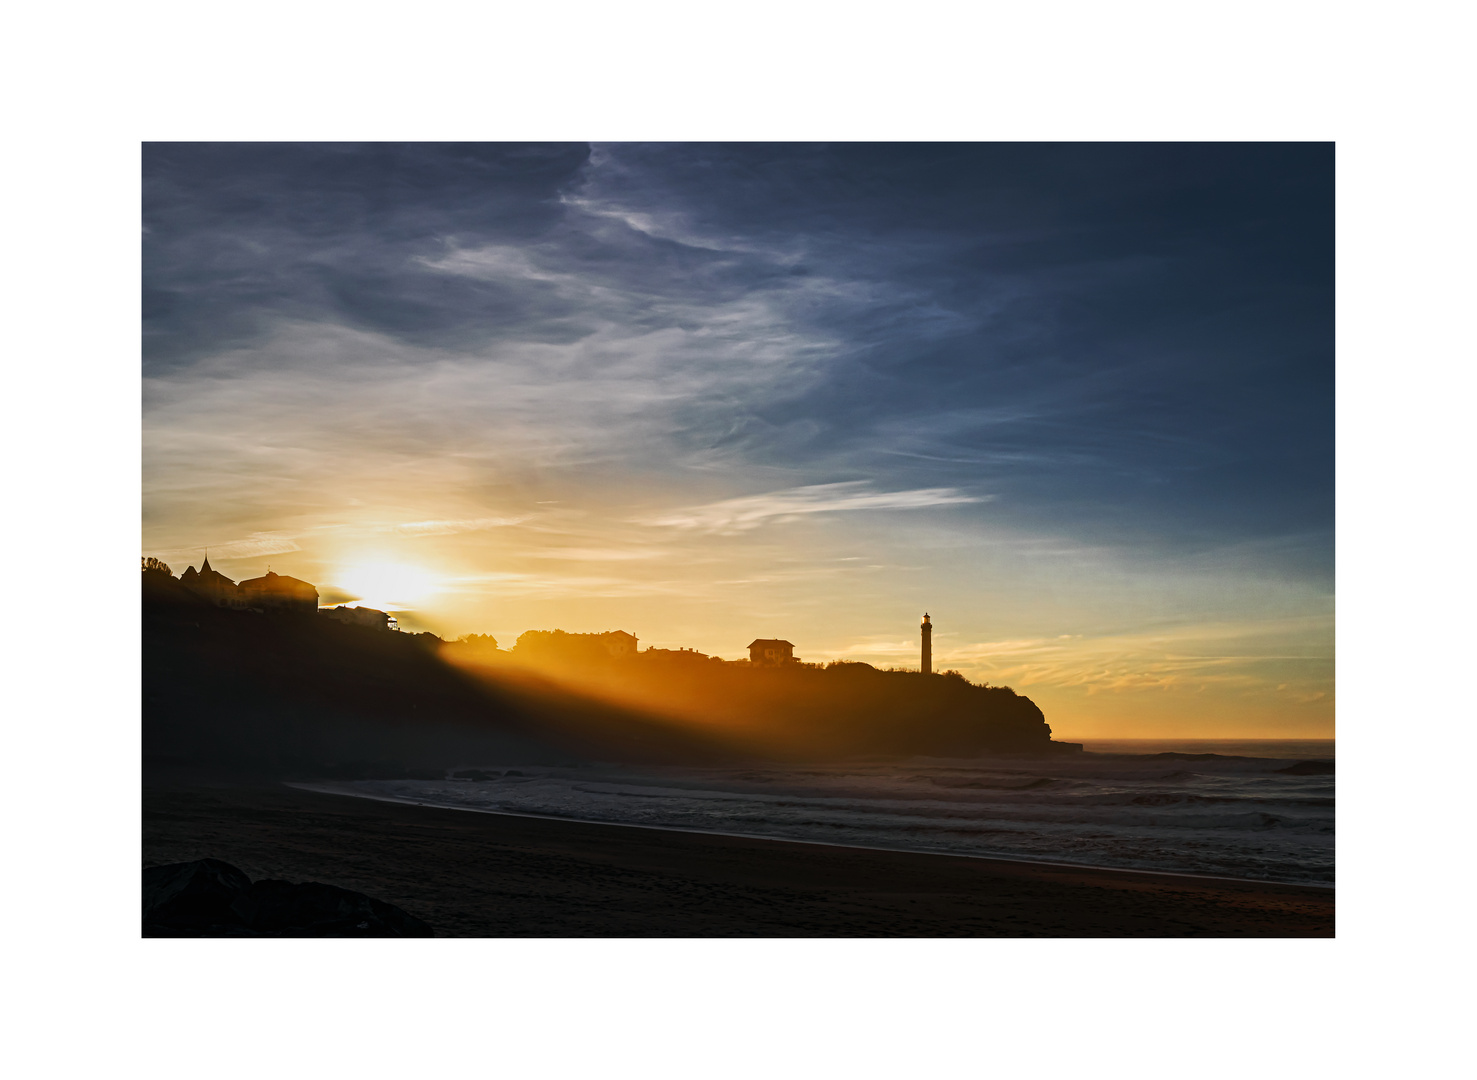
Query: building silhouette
618, 643
212, 586
278, 592
357, 616
771, 652
927, 630
270, 592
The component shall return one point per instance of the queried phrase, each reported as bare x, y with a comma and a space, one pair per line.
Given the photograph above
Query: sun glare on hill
387, 585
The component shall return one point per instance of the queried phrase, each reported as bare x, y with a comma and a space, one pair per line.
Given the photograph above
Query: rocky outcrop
192, 896
210, 898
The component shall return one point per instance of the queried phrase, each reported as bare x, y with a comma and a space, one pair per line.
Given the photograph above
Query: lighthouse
927, 629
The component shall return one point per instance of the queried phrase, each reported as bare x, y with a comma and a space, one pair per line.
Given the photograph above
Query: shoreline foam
330, 788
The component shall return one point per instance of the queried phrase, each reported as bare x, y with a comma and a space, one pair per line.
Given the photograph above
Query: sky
1075, 401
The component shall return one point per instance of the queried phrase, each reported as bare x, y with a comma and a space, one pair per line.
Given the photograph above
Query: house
271, 592
619, 643
278, 592
771, 652
357, 616
212, 586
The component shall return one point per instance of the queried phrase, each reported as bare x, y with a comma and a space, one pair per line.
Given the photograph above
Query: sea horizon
1271, 748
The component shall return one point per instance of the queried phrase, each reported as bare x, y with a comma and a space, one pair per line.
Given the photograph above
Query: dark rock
210, 898
192, 895
474, 774
312, 909
1309, 768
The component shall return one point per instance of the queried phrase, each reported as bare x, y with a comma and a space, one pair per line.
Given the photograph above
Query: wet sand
488, 875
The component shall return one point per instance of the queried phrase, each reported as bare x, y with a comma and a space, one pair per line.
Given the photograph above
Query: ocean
1253, 810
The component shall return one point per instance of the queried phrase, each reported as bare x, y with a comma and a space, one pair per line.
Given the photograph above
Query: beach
471, 874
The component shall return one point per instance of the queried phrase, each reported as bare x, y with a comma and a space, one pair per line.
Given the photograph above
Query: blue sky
1075, 400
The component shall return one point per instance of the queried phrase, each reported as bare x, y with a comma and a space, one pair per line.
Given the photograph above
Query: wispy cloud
558, 587
752, 511
249, 547
448, 528
1245, 656
490, 262
580, 554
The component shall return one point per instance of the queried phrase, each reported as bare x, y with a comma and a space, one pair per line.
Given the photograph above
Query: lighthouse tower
927, 629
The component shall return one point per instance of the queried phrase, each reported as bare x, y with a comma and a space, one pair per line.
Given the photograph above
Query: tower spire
927, 630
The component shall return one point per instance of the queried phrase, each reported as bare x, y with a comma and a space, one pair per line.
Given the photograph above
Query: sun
388, 585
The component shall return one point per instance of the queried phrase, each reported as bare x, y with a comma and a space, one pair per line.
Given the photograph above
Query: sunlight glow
388, 585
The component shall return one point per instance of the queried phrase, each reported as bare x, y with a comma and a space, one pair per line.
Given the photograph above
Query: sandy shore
487, 875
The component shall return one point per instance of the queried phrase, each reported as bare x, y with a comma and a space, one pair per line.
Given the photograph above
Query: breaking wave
1262, 818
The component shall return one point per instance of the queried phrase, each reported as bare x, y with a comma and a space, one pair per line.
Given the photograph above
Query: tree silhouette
151, 563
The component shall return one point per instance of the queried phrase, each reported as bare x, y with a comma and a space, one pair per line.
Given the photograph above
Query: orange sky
1107, 649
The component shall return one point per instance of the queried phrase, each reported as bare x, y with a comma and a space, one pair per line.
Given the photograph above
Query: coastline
330, 788
490, 874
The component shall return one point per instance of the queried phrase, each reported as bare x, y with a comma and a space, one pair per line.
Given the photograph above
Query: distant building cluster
278, 592
763, 652
270, 592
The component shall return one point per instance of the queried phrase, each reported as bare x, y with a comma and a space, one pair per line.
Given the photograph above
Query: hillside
298, 693
794, 711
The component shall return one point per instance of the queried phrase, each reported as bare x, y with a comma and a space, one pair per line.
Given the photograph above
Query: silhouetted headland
283, 688
783, 707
